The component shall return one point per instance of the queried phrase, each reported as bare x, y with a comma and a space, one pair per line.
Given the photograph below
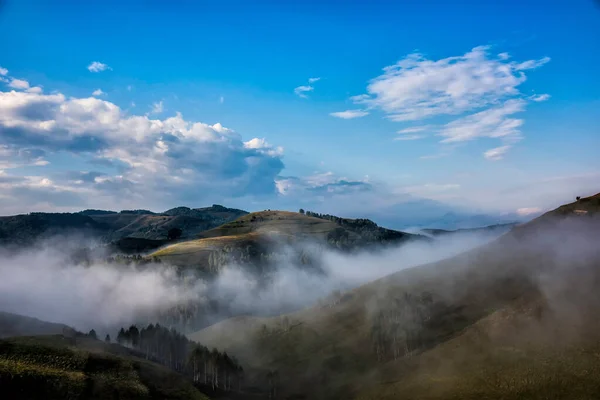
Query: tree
107, 338
301, 211
92, 334
174, 233
578, 198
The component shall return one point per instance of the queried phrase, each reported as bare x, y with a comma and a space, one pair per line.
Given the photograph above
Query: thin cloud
496, 153
302, 90
540, 97
157, 108
410, 137
413, 129
349, 114
97, 66
3, 71
98, 92
313, 80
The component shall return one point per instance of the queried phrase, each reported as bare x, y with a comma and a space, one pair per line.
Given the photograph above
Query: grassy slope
20, 325
264, 227
326, 352
51, 367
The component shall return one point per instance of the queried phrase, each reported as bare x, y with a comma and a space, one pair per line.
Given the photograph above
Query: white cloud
493, 123
3, 71
410, 137
349, 114
35, 89
528, 211
19, 84
97, 66
531, 64
157, 108
413, 129
540, 97
416, 87
496, 153
98, 92
189, 161
302, 90
313, 80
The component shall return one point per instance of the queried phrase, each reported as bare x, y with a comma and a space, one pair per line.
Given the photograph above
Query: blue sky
483, 107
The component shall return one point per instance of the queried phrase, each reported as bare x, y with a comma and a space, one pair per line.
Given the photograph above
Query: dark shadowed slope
20, 325
515, 319
56, 367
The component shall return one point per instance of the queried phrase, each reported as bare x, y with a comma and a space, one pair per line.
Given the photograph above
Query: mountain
257, 235
514, 319
149, 229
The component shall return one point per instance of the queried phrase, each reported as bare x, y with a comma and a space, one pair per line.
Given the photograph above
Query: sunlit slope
53, 367
264, 232
435, 309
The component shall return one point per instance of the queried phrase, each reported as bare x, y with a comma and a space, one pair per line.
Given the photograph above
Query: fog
44, 282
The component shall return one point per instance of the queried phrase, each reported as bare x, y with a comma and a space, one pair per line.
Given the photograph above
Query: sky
356, 108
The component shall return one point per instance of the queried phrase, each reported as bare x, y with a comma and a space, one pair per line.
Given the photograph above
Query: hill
261, 234
514, 319
20, 325
150, 230
57, 367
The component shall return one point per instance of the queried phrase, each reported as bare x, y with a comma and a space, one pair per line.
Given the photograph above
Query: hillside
262, 233
515, 319
149, 229
20, 325
56, 367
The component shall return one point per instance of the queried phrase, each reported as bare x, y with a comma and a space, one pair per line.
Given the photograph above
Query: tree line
172, 349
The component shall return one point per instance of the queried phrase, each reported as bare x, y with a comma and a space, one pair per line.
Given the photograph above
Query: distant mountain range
141, 228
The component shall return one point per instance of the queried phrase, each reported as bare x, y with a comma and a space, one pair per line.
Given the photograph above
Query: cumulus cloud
182, 160
98, 92
302, 90
19, 84
97, 66
349, 114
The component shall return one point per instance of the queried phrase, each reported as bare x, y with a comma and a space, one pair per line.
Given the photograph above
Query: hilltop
259, 234
514, 319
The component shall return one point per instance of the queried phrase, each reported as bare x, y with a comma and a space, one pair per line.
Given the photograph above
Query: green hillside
499, 322
261, 234
54, 367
